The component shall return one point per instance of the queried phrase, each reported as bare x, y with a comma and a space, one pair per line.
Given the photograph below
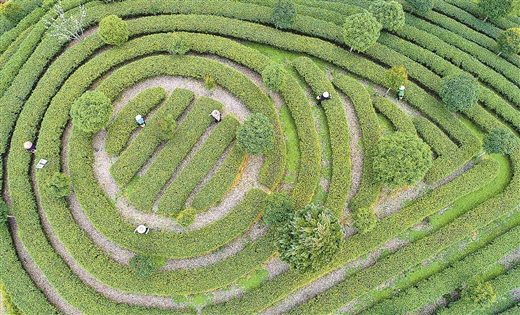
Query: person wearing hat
400, 93
140, 121
142, 229
322, 97
29, 146
216, 114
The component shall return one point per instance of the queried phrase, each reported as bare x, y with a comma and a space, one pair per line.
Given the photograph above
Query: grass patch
254, 280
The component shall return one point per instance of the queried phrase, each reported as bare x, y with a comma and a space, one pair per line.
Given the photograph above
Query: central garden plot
259, 157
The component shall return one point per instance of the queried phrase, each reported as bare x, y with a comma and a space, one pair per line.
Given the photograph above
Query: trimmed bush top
92, 111
113, 30
256, 135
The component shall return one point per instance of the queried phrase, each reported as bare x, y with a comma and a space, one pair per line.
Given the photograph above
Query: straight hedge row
174, 198
338, 133
503, 286
358, 245
451, 278
395, 114
121, 128
369, 189
169, 158
434, 137
222, 181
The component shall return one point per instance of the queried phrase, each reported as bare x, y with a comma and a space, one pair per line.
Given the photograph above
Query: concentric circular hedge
77, 254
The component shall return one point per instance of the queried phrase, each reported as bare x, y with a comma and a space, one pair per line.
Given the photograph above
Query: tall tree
499, 141
459, 91
91, 112
361, 31
113, 30
389, 13
401, 159
495, 8
256, 135
509, 41
310, 239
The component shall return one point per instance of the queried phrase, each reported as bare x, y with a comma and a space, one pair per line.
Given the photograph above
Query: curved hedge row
434, 137
395, 114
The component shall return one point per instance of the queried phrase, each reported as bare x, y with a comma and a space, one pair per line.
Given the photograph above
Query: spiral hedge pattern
72, 255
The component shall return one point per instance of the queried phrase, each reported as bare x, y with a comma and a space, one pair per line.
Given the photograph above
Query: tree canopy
395, 77
284, 14
481, 294
389, 13
278, 208
401, 159
509, 41
499, 141
361, 31
421, 6
459, 91
274, 77
256, 135
113, 30
310, 239
495, 8
92, 111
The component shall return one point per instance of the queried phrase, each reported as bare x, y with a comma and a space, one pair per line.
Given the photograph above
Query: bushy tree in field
421, 6
256, 135
364, 220
481, 294
284, 14
113, 30
361, 31
58, 185
395, 77
310, 239
389, 13
459, 91
274, 77
499, 141
186, 217
165, 127
278, 208
144, 265
179, 45
401, 159
495, 8
509, 41
4, 211
92, 111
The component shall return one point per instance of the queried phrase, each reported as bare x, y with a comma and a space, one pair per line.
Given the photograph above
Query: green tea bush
395, 114
92, 111
256, 135
361, 31
364, 220
179, 45
509, 41
459, 91
144, 265
113, 30
499, 141
389, 13
421, 6
278, 208
274, 77
284, 14
186, 217
58, 185
434, 137
165, 126
481, 293
395, 77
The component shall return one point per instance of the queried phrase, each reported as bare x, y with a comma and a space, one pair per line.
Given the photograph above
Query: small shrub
274, 77
145, 265
256, 135
113, 30
58, 185
209, 83
509, 41
92, 111
495, 8
179, 45
499, 141
278, 208
395, 77
364, 220
186, 217
4, 211
284, 14
12, 11
310, 239
459, 91
481, 294
165, 127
